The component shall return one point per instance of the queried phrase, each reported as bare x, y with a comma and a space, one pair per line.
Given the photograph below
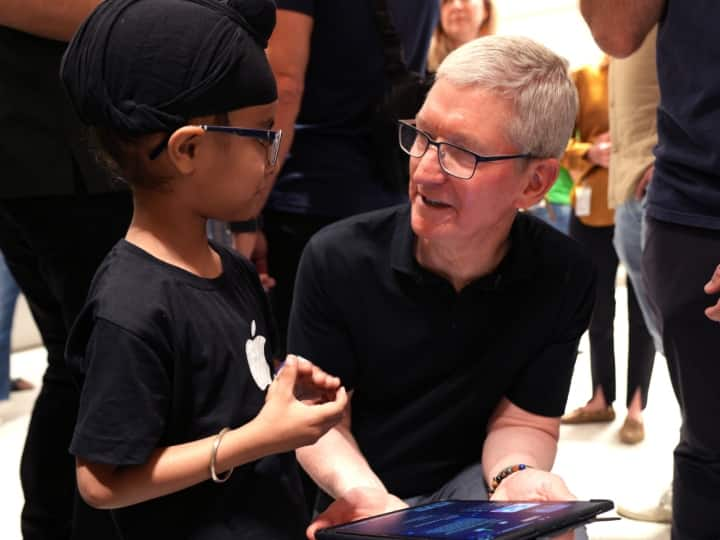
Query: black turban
143, 66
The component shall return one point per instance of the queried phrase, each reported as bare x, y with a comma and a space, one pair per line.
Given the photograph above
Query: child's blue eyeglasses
269, 137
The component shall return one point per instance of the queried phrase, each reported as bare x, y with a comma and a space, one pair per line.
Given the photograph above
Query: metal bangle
213, 457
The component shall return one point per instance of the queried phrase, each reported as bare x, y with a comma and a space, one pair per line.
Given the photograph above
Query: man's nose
428, 167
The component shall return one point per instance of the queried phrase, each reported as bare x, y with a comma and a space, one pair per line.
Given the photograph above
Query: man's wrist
497, 479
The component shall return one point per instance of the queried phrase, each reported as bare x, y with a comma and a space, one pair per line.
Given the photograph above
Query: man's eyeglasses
454, 160
271, 140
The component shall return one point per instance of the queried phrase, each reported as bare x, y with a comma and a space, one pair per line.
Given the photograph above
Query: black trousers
641, 351
53, 247
677, 262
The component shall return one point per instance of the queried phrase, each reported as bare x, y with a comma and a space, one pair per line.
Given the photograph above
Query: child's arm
283, 424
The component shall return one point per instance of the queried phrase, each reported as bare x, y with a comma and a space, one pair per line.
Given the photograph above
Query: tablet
471, 520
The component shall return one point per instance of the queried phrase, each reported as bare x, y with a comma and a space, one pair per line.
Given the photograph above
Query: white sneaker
660, 512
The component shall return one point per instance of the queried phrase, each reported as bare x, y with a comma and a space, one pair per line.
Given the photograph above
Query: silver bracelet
213, 457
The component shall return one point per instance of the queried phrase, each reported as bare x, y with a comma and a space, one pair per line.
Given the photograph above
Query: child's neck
175, 238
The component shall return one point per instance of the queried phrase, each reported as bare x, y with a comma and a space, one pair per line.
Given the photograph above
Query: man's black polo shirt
429, 365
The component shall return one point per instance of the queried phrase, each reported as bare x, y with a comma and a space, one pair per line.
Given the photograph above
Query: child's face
233, 173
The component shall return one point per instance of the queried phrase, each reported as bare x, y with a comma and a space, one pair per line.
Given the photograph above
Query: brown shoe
632, 431
585, 416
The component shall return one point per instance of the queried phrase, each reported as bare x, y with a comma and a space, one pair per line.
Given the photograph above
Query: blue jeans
629, 244
8, 296
558, 215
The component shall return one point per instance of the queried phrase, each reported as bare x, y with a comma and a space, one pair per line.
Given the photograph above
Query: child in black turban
172, 347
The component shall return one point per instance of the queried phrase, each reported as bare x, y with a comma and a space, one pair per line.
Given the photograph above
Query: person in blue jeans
9, 293
8, 297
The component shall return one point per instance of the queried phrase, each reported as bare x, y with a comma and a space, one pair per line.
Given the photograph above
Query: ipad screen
465, 520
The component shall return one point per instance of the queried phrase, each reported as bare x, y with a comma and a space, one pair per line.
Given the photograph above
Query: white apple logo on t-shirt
255, 352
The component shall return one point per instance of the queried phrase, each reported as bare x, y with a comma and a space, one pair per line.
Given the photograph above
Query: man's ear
182, 148
542, 174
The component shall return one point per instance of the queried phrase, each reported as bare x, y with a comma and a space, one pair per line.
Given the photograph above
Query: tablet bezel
556, 525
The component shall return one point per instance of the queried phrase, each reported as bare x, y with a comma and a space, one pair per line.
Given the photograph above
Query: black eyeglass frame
439, 144
266, 135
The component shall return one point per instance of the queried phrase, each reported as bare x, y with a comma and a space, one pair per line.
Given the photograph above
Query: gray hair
532, 77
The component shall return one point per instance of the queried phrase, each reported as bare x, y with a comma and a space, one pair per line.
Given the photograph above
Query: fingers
713, 312
713, 286
319, 378
321, 522
560, 491
603, 137
284, 382
332, 411
332, 516
642, 185
266, 281
323, 380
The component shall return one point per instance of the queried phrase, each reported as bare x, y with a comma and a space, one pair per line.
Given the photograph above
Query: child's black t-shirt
166, 357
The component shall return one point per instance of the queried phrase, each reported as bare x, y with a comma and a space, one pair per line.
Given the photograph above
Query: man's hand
356, 503
644, 182
533, 485
599, 152
713, 287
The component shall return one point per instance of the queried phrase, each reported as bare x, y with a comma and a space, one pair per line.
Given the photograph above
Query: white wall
557, 24
24, 333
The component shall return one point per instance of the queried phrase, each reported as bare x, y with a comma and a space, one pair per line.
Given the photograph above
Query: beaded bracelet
213, 458
503, 474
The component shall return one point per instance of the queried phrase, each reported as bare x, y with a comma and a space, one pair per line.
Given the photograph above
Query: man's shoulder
554, 252
357, 234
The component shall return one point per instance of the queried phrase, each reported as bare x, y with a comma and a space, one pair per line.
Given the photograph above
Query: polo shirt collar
518, 264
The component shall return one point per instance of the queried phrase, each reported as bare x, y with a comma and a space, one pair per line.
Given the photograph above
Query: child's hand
296, 423
313, 385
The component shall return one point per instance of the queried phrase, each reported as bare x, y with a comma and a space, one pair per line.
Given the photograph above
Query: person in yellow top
587, 158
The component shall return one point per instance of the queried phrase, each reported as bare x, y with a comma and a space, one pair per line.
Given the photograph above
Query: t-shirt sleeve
543, 386
317, 329
302, 6
125, 398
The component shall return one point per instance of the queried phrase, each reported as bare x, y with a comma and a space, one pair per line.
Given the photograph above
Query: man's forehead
459, 113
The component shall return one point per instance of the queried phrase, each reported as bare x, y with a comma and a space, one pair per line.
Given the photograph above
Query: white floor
591, 459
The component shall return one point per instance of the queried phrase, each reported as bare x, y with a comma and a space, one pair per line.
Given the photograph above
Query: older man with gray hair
454, 319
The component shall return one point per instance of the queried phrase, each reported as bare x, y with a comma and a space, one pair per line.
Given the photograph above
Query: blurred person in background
8, 298
588, 157
59, 216
460, 21
327, 94
326, 98
682, 220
